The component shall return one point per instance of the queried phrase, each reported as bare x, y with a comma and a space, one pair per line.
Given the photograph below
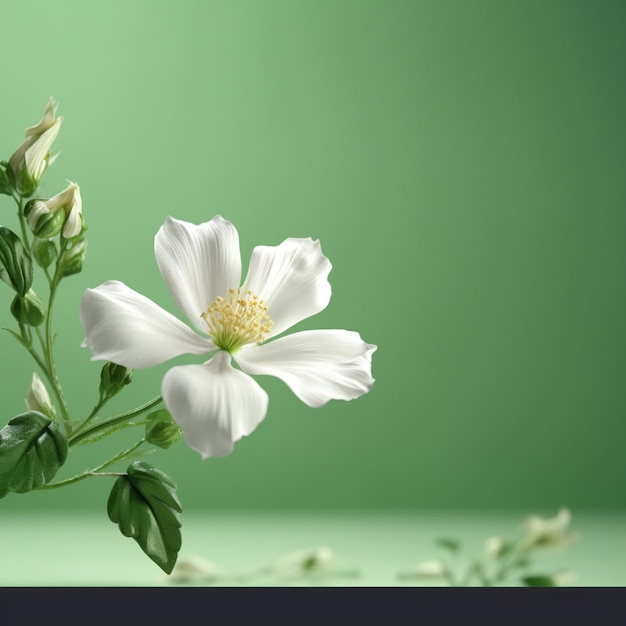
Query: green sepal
71, 261
6, 187
538, 581
44, 251
16, 266
113, 378
26, 185
161, 430
29, 310
144, 504
32, 449
49, 223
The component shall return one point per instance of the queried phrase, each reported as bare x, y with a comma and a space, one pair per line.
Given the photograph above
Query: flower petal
292, 279
35, 157
318, 365
198, 262
214, 404
127, 328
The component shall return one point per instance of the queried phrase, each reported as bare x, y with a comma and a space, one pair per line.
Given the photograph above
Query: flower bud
30, 160
63, 211
71, 261
113, 378
29, 309
43, 222
38, 399
161, 430
44, 251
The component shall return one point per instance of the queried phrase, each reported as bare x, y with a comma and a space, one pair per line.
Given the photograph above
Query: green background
462, 164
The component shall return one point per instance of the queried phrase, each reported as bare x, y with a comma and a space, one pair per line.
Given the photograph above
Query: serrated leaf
449, 544
32, 449
16, 266
538, 581
145, 506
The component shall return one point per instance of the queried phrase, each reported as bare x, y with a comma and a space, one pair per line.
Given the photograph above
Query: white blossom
214, 403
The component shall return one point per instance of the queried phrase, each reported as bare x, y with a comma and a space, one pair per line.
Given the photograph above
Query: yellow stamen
239, 319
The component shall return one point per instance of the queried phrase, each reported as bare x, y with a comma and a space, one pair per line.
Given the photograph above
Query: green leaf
32, 449
538, 581
449, 544
16, 267
145, 506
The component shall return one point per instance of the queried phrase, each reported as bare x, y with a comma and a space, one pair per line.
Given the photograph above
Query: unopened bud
62, 212
161, 430
71, 261
44, 251
113, 378
43, 221
30, 160
38, 399
29, 309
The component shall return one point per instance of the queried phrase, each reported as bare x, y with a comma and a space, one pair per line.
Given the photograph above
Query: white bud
32, 157
38, 399
64, 210
70, 200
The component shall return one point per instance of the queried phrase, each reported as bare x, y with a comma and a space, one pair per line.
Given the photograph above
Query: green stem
101, 402
49, 355
79, 436
20, 214
95, 471
40, 362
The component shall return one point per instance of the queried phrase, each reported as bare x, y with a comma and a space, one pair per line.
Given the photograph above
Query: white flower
31, 159
214, 403
548, 532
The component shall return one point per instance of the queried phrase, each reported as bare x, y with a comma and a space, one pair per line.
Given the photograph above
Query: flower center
239, 319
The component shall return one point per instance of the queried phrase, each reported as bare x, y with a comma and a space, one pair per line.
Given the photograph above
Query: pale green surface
86, 550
